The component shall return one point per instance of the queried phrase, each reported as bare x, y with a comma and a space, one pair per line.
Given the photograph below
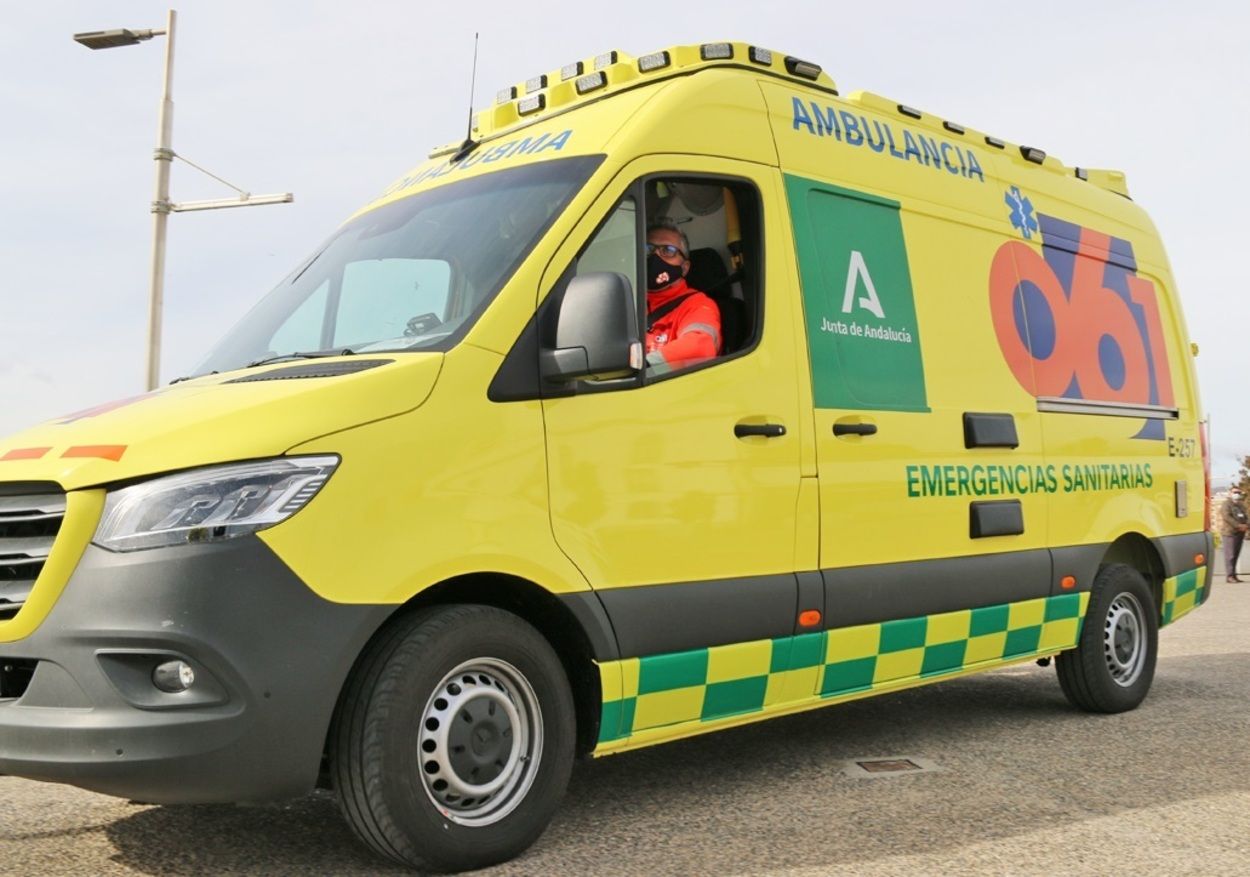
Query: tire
427, 790
1111, 668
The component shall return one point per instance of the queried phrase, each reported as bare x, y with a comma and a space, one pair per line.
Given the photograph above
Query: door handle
855, 429
767, 430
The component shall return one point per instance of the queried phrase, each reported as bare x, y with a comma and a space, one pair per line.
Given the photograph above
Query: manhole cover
889, 765
895, 765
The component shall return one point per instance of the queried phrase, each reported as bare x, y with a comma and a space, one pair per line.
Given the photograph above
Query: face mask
660, 274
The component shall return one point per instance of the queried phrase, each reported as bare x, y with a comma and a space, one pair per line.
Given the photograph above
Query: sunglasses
666, 251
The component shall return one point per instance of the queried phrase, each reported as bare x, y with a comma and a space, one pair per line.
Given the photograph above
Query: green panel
907, 633
780, 657
666, 672
1063, 606
1186, 582
627, 716
617, 719
806, 650
848, 676
943, 658
857, 299
989, 619
737, 696
1023, 640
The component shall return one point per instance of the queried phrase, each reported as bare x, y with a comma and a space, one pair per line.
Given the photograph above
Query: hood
250, 414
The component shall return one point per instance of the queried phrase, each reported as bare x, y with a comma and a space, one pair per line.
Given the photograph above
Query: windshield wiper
309, 354
192, 377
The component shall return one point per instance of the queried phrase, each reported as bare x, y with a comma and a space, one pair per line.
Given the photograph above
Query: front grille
28, 528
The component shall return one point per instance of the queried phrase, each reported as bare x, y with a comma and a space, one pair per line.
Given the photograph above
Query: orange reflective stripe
103, 452
26, 454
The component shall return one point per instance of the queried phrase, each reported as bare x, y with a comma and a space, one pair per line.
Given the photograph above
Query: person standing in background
1233, 525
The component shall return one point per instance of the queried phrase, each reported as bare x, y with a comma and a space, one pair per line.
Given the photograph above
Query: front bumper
270, 658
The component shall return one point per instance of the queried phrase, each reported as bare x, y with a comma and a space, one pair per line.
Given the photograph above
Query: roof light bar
995, 142
505, 94
1033, 154
607, 59
528, 105
591, 82
538, 83
571, 71
910, 111
716, 51
805, 69
654, 61
760, 56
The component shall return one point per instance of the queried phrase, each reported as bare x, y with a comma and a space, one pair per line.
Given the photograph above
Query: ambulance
426, 526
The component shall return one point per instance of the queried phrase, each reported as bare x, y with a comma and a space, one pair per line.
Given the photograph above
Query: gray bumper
270, 659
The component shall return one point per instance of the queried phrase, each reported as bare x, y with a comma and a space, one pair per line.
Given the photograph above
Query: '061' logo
1077, 322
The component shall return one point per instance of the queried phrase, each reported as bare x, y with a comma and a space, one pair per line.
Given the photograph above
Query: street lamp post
164, 155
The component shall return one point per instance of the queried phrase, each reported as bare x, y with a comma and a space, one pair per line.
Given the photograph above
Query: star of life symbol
1021, 212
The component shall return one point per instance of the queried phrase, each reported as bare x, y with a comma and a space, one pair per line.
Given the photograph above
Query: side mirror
596, 331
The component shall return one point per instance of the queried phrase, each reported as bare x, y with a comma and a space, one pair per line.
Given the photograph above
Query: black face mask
660, 274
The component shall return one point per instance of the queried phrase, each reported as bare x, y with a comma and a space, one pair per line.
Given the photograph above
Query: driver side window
704, 253
696, 273
615, 247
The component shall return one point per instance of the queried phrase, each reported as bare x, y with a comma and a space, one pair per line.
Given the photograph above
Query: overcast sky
334, 100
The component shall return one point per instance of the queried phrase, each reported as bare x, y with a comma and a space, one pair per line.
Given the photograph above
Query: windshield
412, 275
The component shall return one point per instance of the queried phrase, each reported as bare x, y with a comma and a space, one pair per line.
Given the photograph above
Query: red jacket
686, 335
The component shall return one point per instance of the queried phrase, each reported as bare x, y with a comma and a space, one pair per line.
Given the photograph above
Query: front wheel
454, 740
1111, 668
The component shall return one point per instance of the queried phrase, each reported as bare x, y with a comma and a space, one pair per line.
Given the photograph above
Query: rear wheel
454, 740
1111, 668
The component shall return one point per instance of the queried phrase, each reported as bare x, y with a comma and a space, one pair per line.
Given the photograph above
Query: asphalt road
1022, 784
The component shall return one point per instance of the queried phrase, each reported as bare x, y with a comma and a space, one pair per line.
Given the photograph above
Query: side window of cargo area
699, 280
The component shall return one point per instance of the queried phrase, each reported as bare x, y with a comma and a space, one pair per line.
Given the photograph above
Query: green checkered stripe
713, 684
1182, 593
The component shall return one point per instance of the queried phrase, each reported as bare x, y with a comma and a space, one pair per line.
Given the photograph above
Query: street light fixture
108, 39
164, 155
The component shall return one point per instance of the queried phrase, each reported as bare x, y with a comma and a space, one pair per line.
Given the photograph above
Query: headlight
209, 505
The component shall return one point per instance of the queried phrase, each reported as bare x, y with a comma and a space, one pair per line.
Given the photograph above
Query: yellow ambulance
434, 519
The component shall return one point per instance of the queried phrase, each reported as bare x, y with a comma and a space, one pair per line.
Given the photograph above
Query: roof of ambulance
594, 80
605, 75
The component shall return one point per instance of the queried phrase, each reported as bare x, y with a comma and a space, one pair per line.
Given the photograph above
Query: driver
683, 324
